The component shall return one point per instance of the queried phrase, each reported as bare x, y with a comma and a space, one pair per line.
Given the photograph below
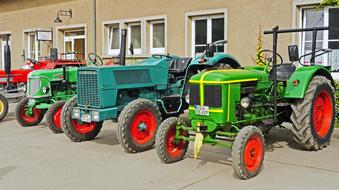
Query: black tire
302, 116
248, 136
3, 107
70, 130
128, 116
54, 111
165, 136
23, 119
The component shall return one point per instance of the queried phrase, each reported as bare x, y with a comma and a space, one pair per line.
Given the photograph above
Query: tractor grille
88, 89
34, 86
194, 94
212, 95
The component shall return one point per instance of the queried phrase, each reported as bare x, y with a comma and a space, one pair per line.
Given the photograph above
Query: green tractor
47, 91
137, 96
234, 108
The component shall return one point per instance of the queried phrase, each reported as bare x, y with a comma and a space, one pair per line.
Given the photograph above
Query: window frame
110, 51
152, 49
208, 18
137, 51
325, 41
37, 46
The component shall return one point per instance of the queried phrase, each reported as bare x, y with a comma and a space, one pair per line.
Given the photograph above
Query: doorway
74, 44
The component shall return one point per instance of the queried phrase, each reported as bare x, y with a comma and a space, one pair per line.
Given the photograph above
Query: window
134, 37
157, 37
113, 40
206, 30
3, 39
74, 44
325, 39
33, 47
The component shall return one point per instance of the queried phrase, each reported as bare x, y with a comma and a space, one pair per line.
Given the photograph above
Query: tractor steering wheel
93, 59
33, 61
160, 56
266, 57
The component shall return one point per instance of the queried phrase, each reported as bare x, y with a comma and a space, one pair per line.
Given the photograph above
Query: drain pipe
94, 26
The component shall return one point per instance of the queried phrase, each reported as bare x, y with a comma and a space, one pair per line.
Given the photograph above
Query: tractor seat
179, 65
284, 72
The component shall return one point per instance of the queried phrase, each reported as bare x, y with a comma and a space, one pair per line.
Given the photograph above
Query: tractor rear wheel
25, 119
248, 152
75, 130
137, 125
313, 117
53, 117
168, 148
3, 107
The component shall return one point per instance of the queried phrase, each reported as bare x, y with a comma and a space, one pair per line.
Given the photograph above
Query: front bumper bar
87, 114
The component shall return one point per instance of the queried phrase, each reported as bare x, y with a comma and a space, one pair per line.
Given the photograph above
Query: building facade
181, 27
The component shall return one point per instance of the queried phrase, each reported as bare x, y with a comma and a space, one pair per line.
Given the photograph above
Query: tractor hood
221, 76
98, 87
55, 74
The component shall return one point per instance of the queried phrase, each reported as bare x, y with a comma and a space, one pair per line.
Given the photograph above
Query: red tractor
13, 82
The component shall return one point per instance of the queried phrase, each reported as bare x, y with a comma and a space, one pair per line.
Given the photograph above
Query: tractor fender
217, 58
304, 75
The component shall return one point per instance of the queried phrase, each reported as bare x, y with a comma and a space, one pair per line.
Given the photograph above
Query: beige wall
243, 19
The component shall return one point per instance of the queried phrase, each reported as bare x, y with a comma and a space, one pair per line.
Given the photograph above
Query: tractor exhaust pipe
122, 59
7, 59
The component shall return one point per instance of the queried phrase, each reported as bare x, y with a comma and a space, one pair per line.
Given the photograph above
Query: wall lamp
62, 13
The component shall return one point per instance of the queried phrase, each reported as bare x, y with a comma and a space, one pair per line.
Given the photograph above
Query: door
74, 46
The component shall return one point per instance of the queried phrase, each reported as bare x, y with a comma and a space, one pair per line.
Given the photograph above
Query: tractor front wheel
75, 130
26, 119
137, 125
169, 148
3, 107
248, 152
313, 117
53, 117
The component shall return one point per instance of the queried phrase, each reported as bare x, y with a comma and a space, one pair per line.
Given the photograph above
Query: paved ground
34, 158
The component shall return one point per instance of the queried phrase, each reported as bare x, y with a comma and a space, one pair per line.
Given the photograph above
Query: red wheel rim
56, 118
322, 113
174, 148
253, 154
83, 128
30, 118
143, 127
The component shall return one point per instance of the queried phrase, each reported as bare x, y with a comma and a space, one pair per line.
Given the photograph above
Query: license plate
202, 110
5, 79
86, 118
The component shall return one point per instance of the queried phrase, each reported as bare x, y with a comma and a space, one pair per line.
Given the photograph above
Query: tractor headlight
45, 89
76, 114
245, 102
187, 98
95, 115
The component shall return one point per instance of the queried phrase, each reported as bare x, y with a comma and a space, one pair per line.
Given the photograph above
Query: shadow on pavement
6, 170
107, 137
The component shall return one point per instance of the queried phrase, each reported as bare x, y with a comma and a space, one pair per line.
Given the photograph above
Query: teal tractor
47, 91
234, 108
137, 96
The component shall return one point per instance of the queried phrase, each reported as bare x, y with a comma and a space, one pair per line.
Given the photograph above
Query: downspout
94, 26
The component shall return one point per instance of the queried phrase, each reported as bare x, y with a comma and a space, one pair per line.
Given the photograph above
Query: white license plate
86, 118
202, 110
5, 79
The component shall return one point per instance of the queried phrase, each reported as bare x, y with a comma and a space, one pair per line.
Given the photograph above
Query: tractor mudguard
304, 75
218, 58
